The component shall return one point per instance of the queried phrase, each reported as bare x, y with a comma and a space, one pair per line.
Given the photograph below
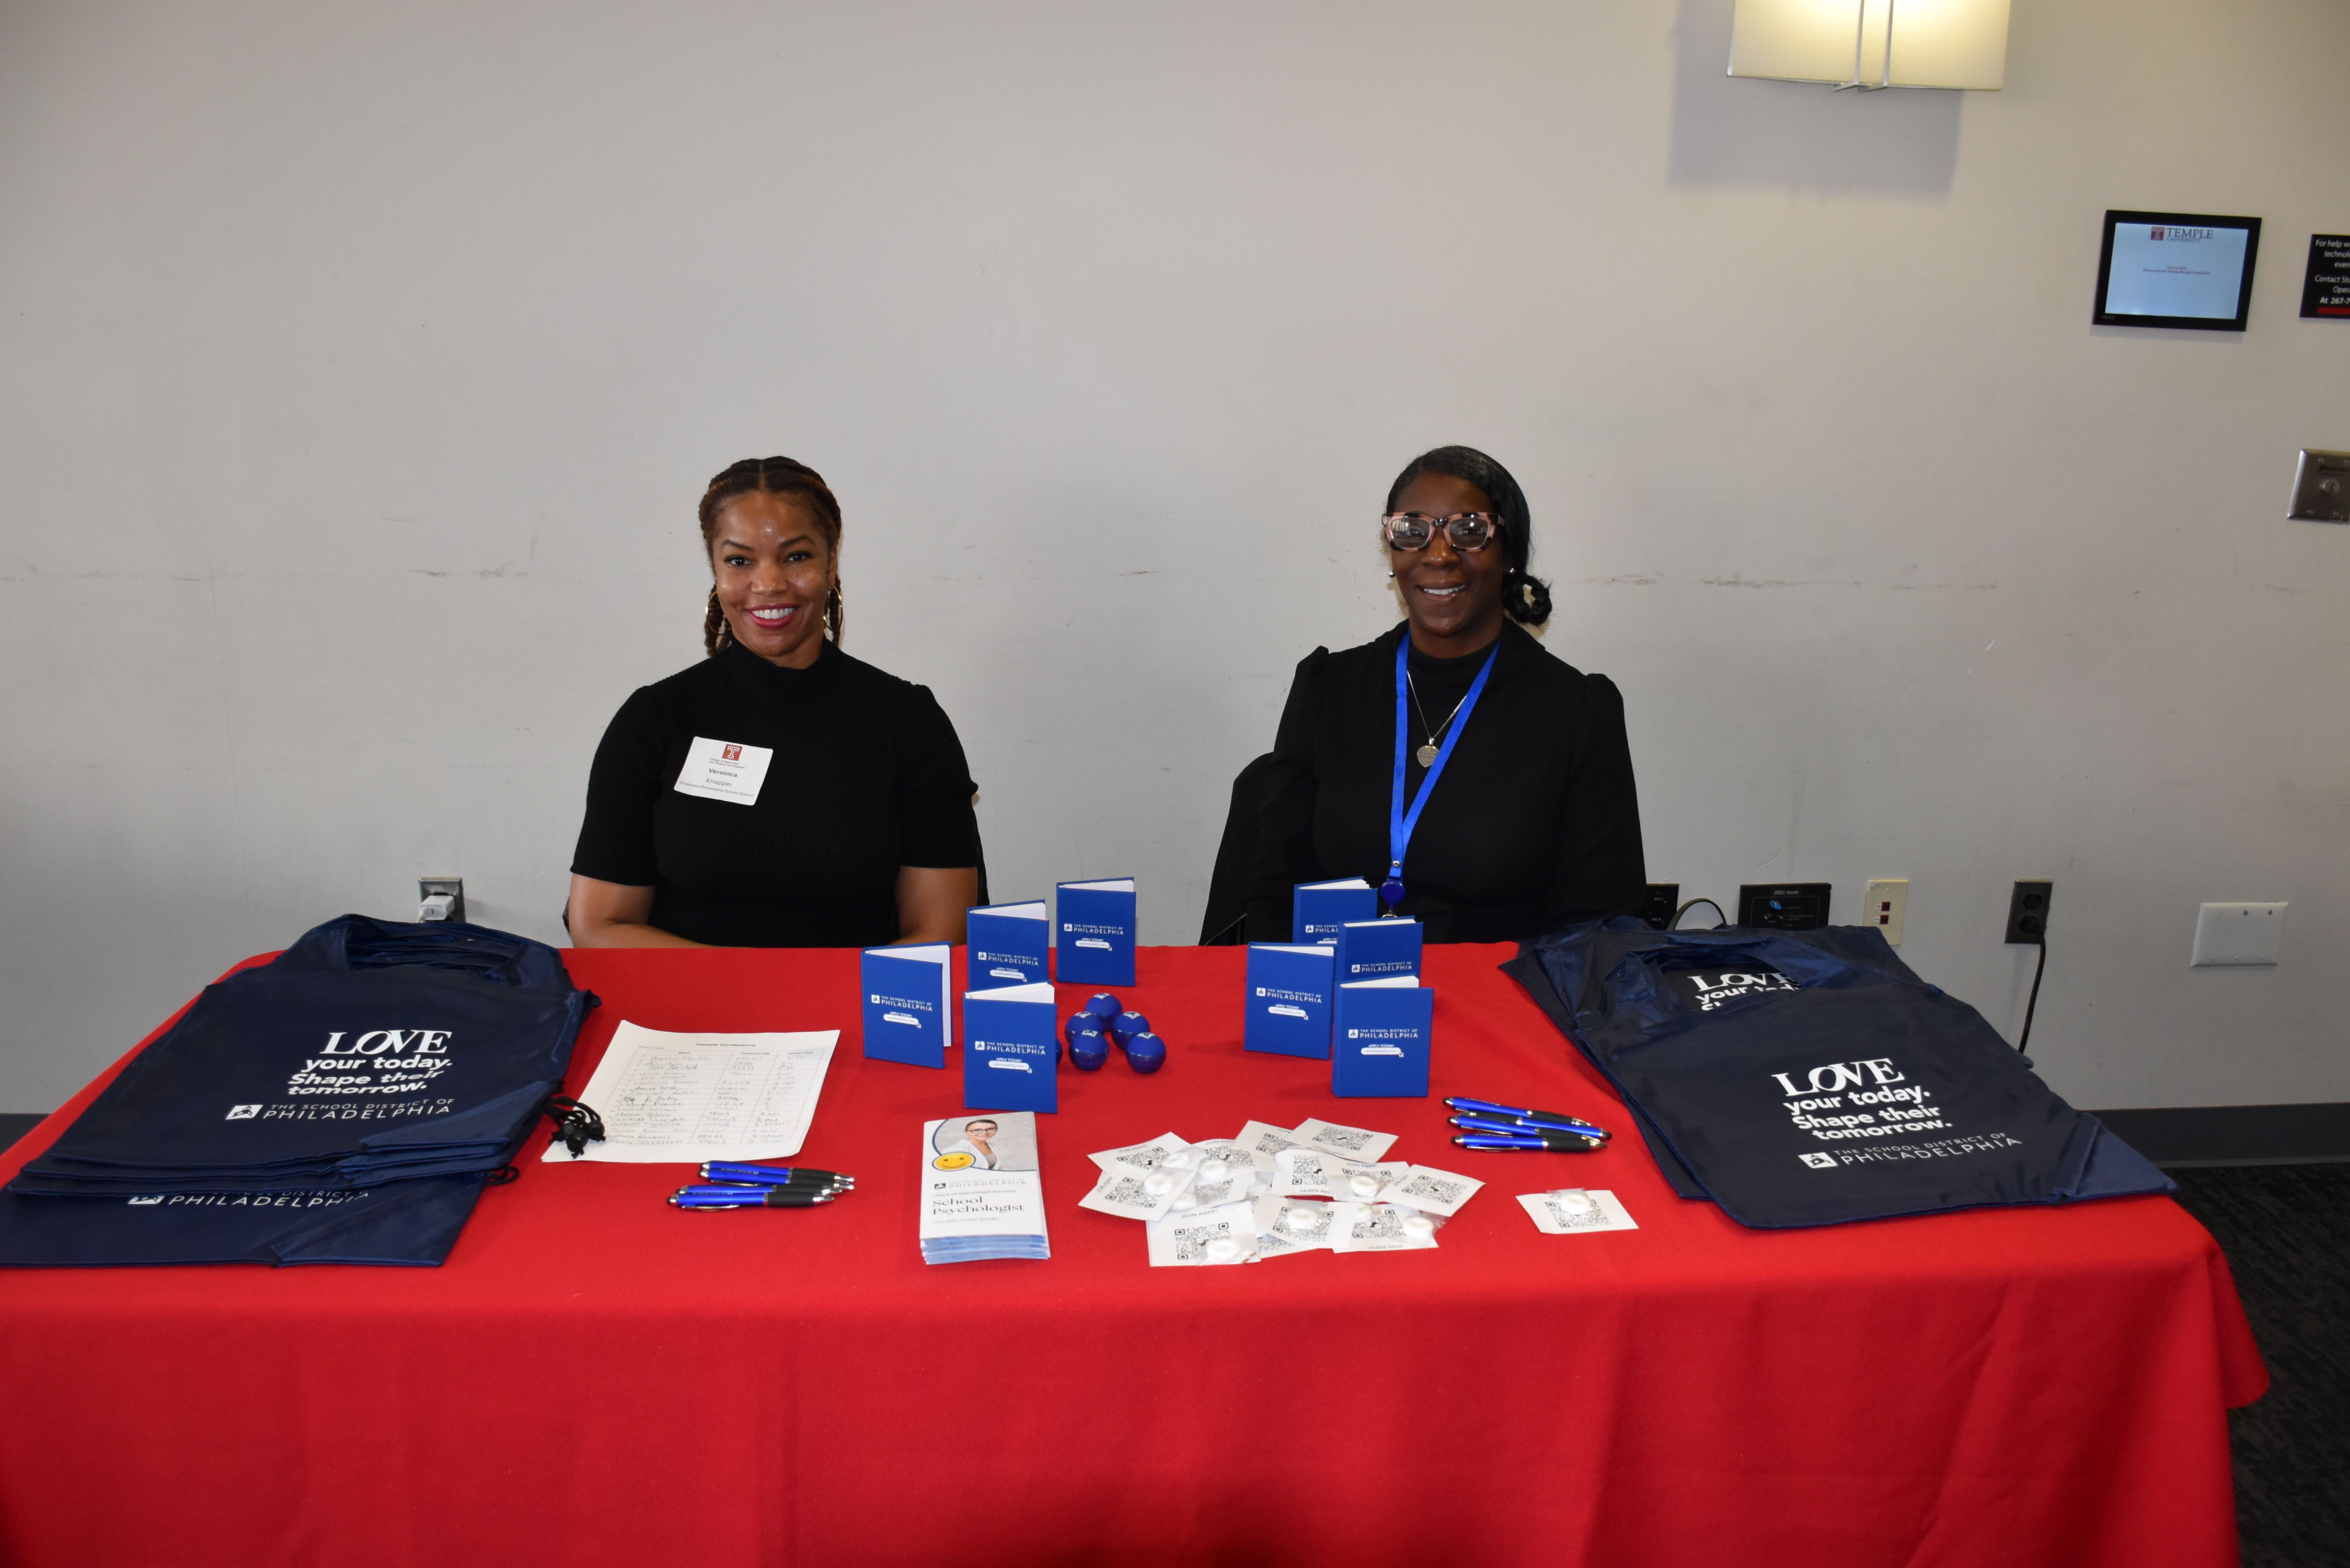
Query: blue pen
773, 1175
1563, 1143
1537, 1118
748, 1193
750, 1197
1521, 1125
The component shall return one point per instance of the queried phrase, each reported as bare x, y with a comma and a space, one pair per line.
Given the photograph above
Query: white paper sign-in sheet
685, 1098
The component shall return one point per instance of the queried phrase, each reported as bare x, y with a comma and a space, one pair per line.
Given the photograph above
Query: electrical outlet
431, 891
1663, 899
2027, 914
2320, 487
1888, 900
1783, 907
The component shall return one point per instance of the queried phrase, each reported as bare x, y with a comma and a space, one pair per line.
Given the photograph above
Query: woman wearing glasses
1505, 807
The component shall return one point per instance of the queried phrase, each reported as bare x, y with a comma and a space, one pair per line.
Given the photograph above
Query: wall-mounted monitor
2176, 269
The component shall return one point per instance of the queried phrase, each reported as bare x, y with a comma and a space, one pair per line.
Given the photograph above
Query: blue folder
1379, 1043
1093, 935
1011, 944
908, 997
1011, 1047
1378, 950
1289, 986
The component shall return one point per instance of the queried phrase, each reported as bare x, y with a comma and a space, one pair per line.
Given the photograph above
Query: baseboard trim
15, 1126
2316, 1133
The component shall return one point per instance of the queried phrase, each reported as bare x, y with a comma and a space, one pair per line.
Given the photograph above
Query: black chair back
1226, 922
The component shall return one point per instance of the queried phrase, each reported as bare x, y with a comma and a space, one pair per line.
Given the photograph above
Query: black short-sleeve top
867, 776
1534, 825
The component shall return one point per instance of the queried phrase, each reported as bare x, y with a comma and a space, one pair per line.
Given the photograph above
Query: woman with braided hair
780, 793
1504, 808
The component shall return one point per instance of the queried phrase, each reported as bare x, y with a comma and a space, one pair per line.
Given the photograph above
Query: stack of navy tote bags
344, 1103
1808, 1077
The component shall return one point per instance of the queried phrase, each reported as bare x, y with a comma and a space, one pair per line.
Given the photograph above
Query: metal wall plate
2320, 487
426, 886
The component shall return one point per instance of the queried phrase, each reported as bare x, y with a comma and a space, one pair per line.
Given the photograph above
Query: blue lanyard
1399, 823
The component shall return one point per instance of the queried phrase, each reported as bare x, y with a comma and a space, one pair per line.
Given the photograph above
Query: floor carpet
2286, 1231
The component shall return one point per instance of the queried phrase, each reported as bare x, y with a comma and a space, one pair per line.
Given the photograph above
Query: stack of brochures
983, 1195
1269, 1192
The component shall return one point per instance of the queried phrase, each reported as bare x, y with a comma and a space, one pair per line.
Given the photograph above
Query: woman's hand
612, 915
933, 902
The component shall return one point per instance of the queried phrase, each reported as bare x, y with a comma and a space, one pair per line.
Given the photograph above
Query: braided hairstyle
775, 476
1525, 597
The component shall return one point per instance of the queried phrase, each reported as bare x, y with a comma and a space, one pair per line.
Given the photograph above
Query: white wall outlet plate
2237, 935
1889, 900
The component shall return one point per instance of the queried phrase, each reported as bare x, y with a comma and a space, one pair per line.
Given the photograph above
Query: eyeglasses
1411, 531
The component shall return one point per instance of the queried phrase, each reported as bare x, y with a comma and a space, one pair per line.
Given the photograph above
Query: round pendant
1391, 891
1427, 756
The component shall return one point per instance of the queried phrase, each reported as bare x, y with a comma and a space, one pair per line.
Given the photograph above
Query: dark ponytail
776, 476
1525, 598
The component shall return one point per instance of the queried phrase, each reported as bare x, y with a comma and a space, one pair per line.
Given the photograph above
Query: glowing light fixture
1872, 43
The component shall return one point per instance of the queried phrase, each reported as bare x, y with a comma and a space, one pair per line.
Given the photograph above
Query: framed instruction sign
2326, 290
2176, 269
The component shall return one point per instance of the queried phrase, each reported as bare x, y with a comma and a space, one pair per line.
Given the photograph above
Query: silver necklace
1427, 754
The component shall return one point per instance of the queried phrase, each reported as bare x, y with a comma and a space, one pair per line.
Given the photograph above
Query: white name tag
723, 769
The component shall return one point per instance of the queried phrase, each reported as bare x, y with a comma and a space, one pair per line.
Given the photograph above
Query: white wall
359, 367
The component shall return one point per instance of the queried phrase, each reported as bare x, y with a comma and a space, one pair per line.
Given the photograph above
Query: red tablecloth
594, 1378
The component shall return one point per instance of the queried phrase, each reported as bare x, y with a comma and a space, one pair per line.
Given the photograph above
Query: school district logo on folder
1289, 999
1010, 1049
1379, 1038
1093, 939
1010, 943
908, 993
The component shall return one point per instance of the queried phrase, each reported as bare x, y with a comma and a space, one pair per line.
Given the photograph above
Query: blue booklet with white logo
908, 1000
1010, 943
1378, 1045
1011, 1044
1378, 950
1094, 939
1316, 909
1289, 999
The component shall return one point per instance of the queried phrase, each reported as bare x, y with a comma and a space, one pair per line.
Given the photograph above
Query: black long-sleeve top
1534, 825
867, 776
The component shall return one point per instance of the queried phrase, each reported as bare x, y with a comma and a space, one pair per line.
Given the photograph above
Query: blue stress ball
1126, 1025
1104, 1006
1082, 1019
1145, 1052
1089, 1050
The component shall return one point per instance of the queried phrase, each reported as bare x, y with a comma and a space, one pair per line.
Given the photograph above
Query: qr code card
1145, 1157
1430, 1190
1574, 1209
1304, 1173
1292, 1225
1209, 1238
1264, 1140
1219, 1181
1379, 1228
1362, 1183
1345, 1142
1135, 1195
1233, 1151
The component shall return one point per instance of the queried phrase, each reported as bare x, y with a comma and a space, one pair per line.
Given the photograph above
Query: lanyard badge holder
1400, 823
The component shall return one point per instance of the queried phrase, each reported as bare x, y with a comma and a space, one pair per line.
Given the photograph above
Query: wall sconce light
1872, 43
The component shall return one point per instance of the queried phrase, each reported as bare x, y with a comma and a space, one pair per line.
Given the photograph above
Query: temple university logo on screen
1818, 1161
2154, 233
735, 753
242, 1113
